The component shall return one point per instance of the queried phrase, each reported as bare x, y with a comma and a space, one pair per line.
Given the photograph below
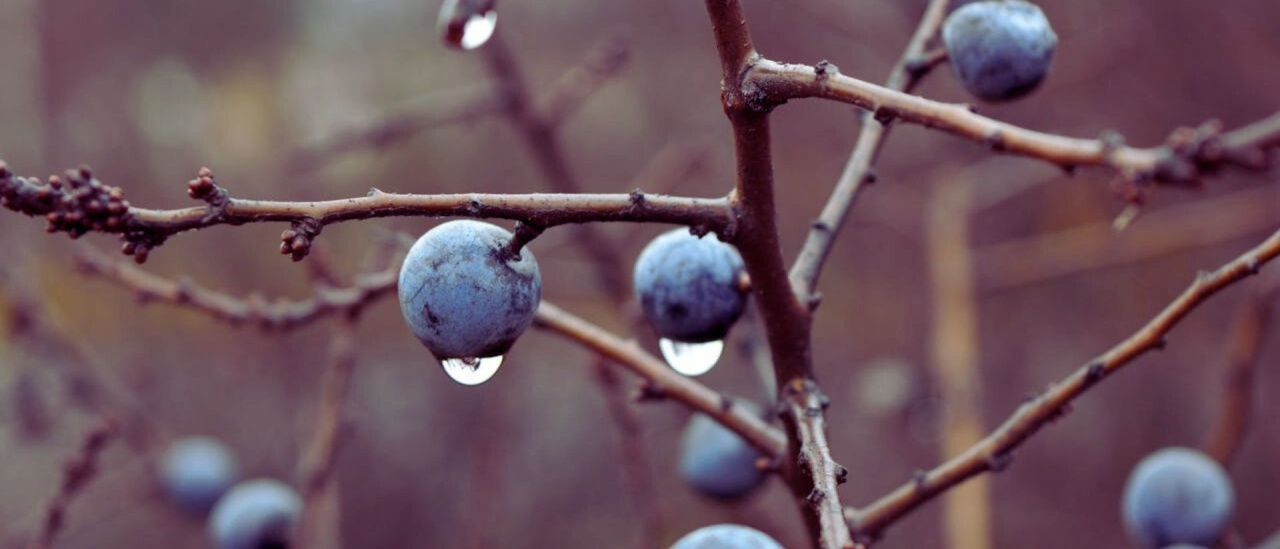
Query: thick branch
993, 452
1189, 154
807, 267
811, 475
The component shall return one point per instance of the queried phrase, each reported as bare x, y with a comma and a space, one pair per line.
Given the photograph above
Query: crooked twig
77, 473
661, 380
79, 203
993, 452
1189, 154
321, 512
255, 310
807, 267
1159, 233
1252, 324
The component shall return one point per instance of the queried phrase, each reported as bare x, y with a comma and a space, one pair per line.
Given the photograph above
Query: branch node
650, 392
920, 480
998, 462
525, 232
815, 497
726, 403
1094, 373
842, 475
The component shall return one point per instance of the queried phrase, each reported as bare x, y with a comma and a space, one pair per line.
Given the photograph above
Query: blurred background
148, 91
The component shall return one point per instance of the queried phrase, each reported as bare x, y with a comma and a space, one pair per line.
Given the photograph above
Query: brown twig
602, 62
434, 111
462, 106
1161, 232
255, 310
539, 128
967, 509
1252, 323
807, 267
661, 380
78, 205
812, 474
1189, 154
635, 454
993, 453
321, 512
77, 473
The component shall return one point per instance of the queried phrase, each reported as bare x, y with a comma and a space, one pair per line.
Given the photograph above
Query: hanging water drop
471, 371
468, 24
691, 359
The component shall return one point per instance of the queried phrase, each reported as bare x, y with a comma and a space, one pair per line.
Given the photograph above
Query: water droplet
467, 24
691, 359
471, 371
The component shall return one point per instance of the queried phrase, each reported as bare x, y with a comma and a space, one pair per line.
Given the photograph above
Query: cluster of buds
74, 202
296, 240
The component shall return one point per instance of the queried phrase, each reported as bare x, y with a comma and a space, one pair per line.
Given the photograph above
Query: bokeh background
148, 91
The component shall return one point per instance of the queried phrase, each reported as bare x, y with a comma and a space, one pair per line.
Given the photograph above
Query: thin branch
1159, 233
635, 454
807, 267
1252, 324
77, 473
994, 452
602, 63
321, 512
539, 128
661, 380
1189, 154
79, 203
433, 111
255, 310
955, 354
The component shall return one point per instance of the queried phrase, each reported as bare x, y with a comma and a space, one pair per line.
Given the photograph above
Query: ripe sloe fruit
464, 294
689, 287
195, 471
726, 536
255, 514
716, 461
1001, 49
1177, 495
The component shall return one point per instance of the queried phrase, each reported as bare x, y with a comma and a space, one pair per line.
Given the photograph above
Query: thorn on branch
815, 497
842, 475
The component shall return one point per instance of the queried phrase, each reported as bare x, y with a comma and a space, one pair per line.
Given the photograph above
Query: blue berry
464, 294
196, 471
690, 287
256, 514
716, 461
1177, 495
726, 536
1001, 49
